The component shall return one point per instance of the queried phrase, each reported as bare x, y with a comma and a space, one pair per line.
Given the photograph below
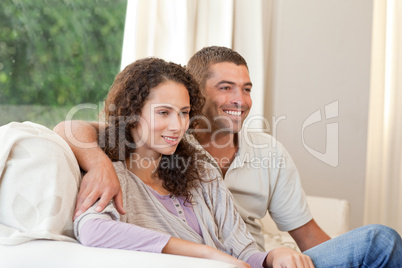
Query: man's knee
382, 233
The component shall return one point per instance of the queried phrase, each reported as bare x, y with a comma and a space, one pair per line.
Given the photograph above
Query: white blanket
39, 179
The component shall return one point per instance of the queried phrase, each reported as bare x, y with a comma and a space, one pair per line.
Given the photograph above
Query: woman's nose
175, 122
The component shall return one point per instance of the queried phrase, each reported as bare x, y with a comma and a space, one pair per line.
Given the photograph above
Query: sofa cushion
51, 254
39, 179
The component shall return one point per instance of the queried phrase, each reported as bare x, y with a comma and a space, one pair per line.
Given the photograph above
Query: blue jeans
368, 246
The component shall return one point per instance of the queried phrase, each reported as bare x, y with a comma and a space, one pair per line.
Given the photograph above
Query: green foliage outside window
59, 52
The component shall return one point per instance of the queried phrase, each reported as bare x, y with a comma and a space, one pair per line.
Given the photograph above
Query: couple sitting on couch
172, 185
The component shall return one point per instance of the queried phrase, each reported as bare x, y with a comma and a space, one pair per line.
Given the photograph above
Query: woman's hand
288, 258
182, 247
218, 255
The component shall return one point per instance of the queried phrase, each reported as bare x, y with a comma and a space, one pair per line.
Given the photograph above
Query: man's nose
237, 98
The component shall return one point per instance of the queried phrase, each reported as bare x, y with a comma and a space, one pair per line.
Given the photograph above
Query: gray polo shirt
263, 177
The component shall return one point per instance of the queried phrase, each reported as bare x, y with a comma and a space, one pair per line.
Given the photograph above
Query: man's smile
233, 112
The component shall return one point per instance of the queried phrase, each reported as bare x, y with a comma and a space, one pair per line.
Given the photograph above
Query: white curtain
175, 29
383, 200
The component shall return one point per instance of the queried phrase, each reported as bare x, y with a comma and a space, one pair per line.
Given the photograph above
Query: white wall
321, 54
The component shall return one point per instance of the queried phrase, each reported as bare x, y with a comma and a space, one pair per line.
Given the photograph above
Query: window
56, 54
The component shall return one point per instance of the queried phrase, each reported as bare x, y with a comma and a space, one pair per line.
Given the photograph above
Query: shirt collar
243, 156
194, 142
245, 153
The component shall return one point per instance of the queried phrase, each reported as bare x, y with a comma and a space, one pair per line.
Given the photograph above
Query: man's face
227, 94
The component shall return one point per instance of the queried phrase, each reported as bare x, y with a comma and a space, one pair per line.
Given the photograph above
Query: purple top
176, 207
106, 233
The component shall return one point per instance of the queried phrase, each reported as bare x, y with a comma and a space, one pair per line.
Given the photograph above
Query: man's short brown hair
199, 63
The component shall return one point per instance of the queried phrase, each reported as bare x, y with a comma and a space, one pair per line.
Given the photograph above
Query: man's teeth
236, 113
171, 139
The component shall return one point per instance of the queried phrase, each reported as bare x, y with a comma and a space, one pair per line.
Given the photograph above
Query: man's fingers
101, 183
118, 201
82, 195
80, 199
106, 197
85, 201
76, 213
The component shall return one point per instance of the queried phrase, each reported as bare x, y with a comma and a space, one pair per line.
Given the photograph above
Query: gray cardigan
220, 223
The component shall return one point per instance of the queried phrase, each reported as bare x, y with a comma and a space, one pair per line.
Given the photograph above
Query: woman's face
164, 120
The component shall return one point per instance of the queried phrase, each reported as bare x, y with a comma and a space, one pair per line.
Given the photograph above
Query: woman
175, 202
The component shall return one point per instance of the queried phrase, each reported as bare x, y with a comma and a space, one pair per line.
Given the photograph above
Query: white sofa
57, 254
331, 214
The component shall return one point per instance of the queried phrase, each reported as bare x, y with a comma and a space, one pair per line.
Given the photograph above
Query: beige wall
321, 54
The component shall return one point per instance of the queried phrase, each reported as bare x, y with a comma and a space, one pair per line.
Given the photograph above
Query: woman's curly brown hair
123, 105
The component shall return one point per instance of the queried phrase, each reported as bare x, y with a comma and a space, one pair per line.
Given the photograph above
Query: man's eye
225, 88
247, 89
163, 113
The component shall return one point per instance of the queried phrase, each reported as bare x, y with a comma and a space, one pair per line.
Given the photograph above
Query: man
223, 77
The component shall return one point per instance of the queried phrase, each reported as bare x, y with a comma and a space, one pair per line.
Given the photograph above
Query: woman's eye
163, 113
185, 113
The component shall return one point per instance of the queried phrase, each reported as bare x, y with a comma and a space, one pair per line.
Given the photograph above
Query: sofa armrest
331, 214
50, 254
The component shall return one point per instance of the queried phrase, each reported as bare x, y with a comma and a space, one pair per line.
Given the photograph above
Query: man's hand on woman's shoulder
102, 183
